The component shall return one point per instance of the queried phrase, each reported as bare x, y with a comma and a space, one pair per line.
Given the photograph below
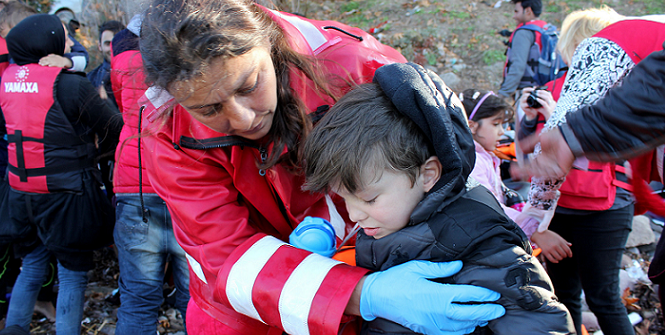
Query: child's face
385, 204
488, 131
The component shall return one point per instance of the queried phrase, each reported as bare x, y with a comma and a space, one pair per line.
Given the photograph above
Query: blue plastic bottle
316, 235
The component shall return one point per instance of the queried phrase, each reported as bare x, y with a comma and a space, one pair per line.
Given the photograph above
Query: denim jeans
143, 250
598, 242
71, 295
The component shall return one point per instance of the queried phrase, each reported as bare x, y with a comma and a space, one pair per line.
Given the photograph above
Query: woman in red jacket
241, 86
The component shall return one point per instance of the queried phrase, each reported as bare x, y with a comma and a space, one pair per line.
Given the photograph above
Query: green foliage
42, 6
493, 56
654, 7
431, 58
552, 8
349, 6
458, 15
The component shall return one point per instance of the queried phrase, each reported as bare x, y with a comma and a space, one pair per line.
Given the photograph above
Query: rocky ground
456, 38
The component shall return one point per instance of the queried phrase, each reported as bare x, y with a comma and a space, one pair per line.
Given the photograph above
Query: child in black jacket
399, 151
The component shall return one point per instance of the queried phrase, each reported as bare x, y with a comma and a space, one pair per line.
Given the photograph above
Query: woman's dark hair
180, 38
490, 107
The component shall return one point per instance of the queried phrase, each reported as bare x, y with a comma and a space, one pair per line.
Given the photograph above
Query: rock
450, 79
626, 281
458, 67
642, 233
590, 321
626, 261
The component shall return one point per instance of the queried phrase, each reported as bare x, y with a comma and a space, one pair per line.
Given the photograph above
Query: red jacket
232, 221
128, 83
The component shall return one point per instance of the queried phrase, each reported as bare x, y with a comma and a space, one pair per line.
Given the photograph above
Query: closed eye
212, 110
250, 89
372, 201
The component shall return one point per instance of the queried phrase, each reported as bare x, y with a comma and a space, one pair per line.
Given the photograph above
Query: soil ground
456, 38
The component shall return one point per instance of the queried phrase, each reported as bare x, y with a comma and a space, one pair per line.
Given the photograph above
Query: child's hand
553, 246
544, 97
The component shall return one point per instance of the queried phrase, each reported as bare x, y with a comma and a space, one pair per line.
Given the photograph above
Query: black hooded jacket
460, 220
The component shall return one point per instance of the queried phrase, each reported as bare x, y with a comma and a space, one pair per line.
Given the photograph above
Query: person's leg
27, 286
564, 275
606, 234
141, 259
180, 267
71, 296
47, 296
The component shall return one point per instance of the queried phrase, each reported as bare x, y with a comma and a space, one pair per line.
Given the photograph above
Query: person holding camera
592, 209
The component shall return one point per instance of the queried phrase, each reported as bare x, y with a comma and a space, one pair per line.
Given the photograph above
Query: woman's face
236, 96
68, 41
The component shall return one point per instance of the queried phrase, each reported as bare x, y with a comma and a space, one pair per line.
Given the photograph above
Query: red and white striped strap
273, 273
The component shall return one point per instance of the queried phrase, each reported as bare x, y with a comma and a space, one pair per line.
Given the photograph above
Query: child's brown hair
363, 133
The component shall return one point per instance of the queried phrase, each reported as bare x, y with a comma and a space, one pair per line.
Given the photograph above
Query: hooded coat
459, 219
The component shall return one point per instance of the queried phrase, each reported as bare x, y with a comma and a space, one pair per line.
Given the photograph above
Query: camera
532, 100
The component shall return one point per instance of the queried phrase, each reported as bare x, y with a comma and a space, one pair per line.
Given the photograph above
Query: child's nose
355, 214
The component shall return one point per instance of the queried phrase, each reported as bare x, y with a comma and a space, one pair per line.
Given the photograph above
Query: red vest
595, 189
534, 53
45, 153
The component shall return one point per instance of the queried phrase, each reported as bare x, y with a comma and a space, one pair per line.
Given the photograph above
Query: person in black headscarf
52, 119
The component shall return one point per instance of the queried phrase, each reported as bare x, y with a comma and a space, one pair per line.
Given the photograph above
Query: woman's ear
430, 172
473, 125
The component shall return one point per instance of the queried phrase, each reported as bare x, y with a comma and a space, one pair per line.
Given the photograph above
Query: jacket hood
422, 95
35, 37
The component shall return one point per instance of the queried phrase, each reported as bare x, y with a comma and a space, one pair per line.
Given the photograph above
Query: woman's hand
54, 60
555, 159
544, 97
403, 294
553, 246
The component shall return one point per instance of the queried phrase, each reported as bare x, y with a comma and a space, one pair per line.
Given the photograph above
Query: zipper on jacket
264, 156
223, 142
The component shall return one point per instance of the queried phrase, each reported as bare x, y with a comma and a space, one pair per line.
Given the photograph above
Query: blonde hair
582, 24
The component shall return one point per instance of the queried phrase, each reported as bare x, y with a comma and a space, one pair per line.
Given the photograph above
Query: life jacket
534, 54
45, 153
595, 189
4, 55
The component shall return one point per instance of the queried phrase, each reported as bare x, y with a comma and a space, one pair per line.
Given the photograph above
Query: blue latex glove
403, 294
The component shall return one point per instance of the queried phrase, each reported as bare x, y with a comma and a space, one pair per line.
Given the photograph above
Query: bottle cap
316, 235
